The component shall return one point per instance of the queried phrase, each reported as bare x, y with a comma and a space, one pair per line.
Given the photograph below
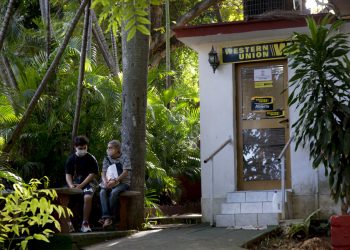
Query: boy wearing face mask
113, 183
81, 168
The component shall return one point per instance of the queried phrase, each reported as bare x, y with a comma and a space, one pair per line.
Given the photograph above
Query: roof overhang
220, 32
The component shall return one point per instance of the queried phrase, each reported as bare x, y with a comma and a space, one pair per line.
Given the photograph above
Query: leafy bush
27, 212
321, 93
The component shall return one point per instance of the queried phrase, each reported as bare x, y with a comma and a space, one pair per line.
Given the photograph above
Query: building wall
218, 120
217, 126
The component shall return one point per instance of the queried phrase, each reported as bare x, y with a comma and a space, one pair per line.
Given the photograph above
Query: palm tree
45, 80
81, 72
6, 21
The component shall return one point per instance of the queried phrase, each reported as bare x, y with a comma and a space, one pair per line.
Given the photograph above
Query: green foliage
27, 212
134, 15
231, 10
301, 229
172, 115
172, 137
321, 96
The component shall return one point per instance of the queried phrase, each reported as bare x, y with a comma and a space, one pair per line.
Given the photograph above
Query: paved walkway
194, 237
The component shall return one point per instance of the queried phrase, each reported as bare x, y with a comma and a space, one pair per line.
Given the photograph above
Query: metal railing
218, 150
280, 159
211, 157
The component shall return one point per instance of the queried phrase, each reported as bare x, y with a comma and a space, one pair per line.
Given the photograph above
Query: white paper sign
262, 75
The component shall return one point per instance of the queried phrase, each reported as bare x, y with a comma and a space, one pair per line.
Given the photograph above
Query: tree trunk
158, 44
89, 54
48, 30
217, 12
81, 73
9, 72
6, 21
102, 44
16, 133
114, 51
135, 69
167, 44
45, 16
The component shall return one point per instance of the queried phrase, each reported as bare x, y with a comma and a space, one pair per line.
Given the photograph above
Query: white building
243, 104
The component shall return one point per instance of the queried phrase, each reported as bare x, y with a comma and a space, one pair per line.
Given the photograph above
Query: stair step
246, 219
250, 196
246, 207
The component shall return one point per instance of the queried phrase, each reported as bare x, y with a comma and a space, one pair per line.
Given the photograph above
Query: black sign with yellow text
261, 103
255, 52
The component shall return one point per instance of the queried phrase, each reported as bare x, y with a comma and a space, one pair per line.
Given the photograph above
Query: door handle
284, 121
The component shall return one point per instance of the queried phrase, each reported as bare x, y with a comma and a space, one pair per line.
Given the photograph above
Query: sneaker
85, 227
107, 222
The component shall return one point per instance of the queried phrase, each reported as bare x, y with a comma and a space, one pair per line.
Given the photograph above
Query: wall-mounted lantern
213, 59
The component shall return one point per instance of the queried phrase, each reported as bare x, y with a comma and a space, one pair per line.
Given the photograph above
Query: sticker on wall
261, 103
263, 78
262, 75
267, 84
275, 113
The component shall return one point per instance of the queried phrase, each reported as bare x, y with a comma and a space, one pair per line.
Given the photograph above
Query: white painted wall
218, 120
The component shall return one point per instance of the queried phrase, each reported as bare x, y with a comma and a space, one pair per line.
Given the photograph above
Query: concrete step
183, 218
251, 196
247, 219
246, 207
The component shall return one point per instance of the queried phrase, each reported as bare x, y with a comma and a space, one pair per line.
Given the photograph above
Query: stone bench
125, 198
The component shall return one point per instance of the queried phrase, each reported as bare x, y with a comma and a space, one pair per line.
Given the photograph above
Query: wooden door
262, 124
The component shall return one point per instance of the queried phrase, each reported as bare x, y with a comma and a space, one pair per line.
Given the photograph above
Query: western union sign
263, 51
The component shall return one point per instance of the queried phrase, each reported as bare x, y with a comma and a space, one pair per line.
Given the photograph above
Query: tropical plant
27, 212
301, 230
321, 96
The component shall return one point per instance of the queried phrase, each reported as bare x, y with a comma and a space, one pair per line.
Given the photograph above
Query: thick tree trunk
6, 21
81, 73
16, 133
135, 58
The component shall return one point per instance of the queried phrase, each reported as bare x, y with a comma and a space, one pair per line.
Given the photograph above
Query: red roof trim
241, 26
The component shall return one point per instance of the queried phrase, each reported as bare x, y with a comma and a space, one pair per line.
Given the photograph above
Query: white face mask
81, 152
113, 152
109, 152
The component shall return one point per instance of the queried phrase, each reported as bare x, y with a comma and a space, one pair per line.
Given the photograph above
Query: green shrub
27, 213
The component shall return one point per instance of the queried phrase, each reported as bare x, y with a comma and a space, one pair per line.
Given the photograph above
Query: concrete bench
125, 198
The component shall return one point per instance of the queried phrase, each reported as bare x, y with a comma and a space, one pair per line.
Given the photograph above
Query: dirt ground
292, 244
318, 239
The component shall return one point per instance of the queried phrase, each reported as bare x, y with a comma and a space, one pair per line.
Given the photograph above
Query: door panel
262, 122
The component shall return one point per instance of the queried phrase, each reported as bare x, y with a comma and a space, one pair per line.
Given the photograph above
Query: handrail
218, 150
285, 148
283, 181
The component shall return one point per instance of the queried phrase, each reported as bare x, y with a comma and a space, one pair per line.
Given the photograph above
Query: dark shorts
88, 189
